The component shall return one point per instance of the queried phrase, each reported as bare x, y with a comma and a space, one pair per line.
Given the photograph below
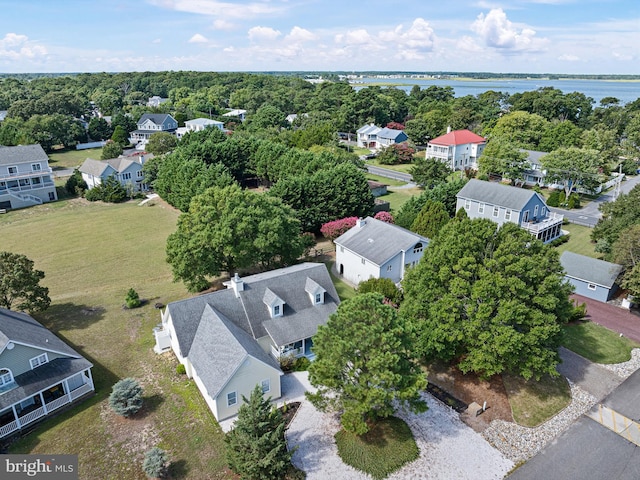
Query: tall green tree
572, 167
110, 150
444, 193
161, 142
617, 216
522, 128
502, 157
431, 219
256, 448
227, 229
492, 299
20, 287
429, 172
626, 252
365, 364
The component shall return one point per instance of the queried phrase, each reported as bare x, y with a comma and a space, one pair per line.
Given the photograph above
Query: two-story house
375, 138
376, 249
25, 177
503, 203
151, 123
127, 170
39, 373
231, 340
459, 149
197, 125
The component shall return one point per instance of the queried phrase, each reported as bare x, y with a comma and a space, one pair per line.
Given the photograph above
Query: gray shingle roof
378, 241
390, 133
251, 314
19, 327
22, 154
590, 269
157, 118
93, 167
496, 194
534, 156
219, 348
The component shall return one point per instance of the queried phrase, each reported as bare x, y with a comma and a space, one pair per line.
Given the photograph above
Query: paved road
614, 318
63, 172
593, 378
588, 450
385, 172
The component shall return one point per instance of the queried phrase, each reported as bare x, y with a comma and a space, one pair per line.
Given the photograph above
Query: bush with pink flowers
384, 217
335, 228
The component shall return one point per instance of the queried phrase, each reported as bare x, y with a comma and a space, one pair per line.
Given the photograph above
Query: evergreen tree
430, 220
256, 447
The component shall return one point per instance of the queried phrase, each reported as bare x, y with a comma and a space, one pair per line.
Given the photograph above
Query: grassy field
344, 290
579, 241
404, 167
92, 254
383, 450
387, 181
398, 196
533, 403
597, 343
72, 158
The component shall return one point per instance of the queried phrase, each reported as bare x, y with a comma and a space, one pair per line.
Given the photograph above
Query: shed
592, 278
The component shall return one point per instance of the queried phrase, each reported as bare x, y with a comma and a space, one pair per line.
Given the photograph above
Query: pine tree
256, 447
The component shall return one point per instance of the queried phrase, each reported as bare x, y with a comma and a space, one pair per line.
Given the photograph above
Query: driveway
591, 377
614, 318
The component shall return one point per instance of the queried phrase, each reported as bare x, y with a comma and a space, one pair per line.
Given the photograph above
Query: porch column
90, 378
15, 414
44, 407
65, 387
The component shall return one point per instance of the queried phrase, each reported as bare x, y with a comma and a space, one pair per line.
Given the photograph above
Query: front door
308, 344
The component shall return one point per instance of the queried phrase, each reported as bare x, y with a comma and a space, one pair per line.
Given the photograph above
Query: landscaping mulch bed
289, 412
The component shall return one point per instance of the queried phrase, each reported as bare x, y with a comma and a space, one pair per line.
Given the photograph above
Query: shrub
156, 463
395, 154
181, 369
301, 364
383, 286
132, 300
126, 397
554, 199
384, 217
560, 240
109, 191
287, 362
75, 185
574, 201
111, 150
579, 312
335, 228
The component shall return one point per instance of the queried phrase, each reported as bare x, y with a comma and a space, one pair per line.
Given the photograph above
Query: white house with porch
459, 149
39, 373
232, 340
25, 177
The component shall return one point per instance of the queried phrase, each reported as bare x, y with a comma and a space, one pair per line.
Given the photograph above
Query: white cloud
226, 9
197, 38
497, 31
15, 47
419, 36
299, 35
157, 40
223, 25
354, 37
263, 34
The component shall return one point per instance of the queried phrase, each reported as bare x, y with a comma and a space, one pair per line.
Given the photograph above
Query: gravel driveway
448, 448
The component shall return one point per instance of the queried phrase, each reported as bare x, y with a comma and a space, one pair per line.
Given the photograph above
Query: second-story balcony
19, 175
536, 225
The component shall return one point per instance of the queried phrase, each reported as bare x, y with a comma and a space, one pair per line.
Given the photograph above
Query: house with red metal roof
460, 149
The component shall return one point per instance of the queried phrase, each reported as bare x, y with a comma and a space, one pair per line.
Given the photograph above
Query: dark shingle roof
22, 154
220, 348
496, 194
157, 118
19, 327
251, 314
378, 241
590, 269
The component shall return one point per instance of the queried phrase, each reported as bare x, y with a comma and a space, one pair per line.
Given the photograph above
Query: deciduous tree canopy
20, 287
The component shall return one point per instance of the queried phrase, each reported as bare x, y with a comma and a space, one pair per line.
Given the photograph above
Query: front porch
301, 348
546, 229
42, 403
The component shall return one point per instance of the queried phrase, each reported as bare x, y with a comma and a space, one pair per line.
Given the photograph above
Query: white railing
36, 173
78, 392
26, 197
550, 220
31, 416
8, 428
57, 403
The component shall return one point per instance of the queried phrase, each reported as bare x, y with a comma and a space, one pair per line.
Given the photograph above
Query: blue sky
536, 36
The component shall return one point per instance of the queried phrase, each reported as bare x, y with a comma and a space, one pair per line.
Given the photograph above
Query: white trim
38, 360
44, 349
268, 380
235, 398
592, 286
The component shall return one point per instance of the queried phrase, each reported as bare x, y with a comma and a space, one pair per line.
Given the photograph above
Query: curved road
385, 172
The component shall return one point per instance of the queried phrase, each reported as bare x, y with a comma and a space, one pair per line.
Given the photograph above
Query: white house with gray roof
376, 249
151, 123
231, 340
25, 177
127, 170
591, 278
39, 373
504, 203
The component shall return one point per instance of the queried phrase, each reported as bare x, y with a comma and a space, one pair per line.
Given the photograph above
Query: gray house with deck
592, 278
503, 203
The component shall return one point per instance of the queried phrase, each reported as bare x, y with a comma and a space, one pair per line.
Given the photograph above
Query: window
266, 385
232, 399
276, 310
543, 212
35, 180
389, 268
12, 170
496, 211
417, 248
591, 286
140, 174
318, 298
507, 214
126, 176
5, 377
535, 211
39, 360
362, 261
525, 216
467, 204
52, 196
481, 208
36, 167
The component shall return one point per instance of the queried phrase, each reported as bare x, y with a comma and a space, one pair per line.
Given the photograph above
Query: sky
511, 36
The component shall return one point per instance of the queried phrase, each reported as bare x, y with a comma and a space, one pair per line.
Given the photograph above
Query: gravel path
448, 448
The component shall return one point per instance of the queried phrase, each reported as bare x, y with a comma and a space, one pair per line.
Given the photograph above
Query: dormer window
39, 360
318, 298
315, 290
418, 248
274, 303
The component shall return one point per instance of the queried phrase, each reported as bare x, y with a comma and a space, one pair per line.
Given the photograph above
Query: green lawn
92, 253
72, 158
387, 181
384, 449
398, 196
532, 402
404, 167
344, 290
597, 343
579, 241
